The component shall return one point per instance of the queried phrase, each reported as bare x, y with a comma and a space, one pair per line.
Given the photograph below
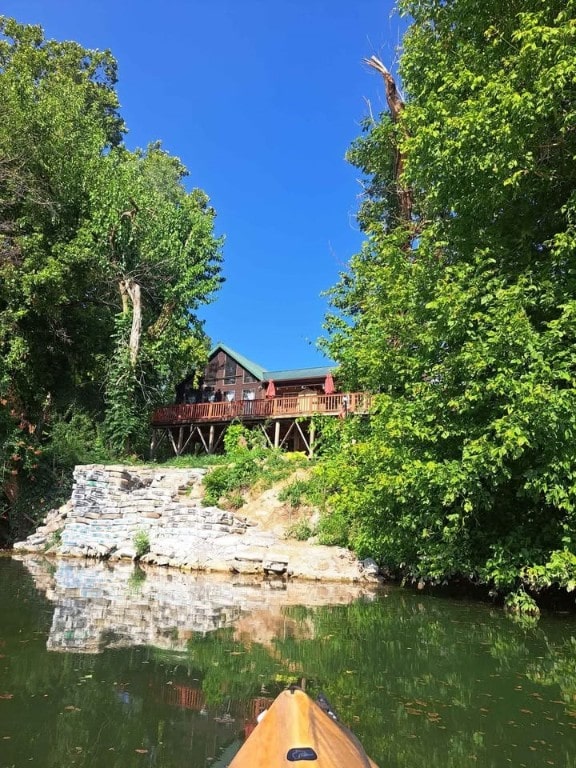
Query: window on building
212, 372
248, 378
230, 371
229, 396
248, 394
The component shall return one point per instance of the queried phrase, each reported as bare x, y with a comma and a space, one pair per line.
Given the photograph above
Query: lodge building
232, 388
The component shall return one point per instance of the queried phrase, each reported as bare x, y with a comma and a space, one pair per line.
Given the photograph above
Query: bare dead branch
393, 98
395, 105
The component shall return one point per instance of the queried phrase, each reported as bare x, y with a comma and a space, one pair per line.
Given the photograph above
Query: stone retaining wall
112, 505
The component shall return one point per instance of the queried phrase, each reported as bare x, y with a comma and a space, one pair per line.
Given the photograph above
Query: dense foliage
462, 316
248, 463
104, 260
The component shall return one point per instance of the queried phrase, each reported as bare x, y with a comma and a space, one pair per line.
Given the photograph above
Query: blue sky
260, 99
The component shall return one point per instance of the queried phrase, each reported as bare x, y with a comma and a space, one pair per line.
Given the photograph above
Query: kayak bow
297, 729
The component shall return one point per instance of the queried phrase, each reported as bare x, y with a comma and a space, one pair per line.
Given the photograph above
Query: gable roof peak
256, 370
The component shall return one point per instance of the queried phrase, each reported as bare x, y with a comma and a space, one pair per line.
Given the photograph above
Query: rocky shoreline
116, 511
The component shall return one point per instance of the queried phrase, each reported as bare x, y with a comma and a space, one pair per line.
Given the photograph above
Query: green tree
159, 261
59, 116
461, 314
104, 260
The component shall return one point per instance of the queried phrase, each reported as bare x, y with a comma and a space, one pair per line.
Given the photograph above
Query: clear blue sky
260, 99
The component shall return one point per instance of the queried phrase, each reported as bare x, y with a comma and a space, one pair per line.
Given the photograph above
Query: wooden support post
300, 431
153, 445
186, 442
262, 429
174, 446
180, 441
289, 432
211, 439
220, 438
312, 436
201, 436
158, 437
276, 433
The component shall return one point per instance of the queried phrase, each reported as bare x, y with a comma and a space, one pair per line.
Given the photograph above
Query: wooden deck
261, 410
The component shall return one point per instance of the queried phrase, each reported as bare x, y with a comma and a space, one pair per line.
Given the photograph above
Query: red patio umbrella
329, 387
271, 389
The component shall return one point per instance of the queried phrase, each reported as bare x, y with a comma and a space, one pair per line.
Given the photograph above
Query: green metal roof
298, 373
263, 375
256, 370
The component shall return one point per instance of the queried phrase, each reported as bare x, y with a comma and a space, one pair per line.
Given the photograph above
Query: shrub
238, 440
75, 439
141, 542
54, 540
294, 493
235, 500
333, 529
522, 603
227, 479
300, 530
248, 463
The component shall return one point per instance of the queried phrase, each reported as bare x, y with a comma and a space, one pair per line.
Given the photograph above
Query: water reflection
172, 669
99, 606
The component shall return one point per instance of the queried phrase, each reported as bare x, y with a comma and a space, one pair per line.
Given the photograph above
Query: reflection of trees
232, 670
558, 668
108, 706
420, 682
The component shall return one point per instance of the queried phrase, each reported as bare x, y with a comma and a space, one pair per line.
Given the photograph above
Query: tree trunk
131, 299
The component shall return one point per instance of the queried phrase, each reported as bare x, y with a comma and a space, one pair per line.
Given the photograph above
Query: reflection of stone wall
99, 606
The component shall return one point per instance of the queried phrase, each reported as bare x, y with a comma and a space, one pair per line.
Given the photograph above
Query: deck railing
275, 407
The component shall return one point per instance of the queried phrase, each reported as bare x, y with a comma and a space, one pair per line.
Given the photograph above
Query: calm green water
103, 666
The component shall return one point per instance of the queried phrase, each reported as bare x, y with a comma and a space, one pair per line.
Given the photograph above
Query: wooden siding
292, 406
220, 386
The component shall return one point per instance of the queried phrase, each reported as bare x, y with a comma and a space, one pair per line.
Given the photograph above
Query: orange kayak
298, 730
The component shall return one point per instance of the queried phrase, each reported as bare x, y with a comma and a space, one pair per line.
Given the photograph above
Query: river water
111, 666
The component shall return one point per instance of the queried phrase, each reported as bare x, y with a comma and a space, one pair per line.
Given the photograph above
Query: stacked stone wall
112, 506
